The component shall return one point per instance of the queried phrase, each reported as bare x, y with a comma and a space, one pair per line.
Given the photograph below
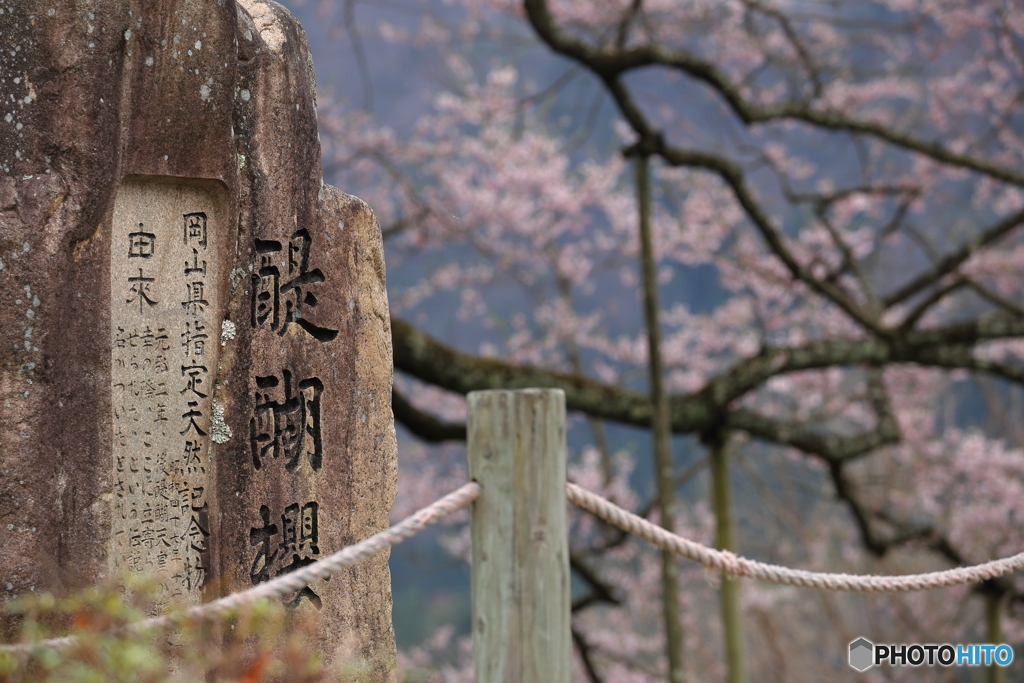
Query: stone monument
195, 355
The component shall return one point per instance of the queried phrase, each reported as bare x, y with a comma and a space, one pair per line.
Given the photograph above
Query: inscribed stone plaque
195, 358
166, 273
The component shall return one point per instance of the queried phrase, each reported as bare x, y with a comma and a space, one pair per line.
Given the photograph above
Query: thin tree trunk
596, 425
660, 427
732, 624
994, 631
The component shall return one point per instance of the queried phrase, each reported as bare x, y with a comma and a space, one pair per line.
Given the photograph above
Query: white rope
295, 581
718, 560
727, 562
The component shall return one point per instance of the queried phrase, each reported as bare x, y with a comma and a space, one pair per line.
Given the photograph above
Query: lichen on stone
227, 331
219, 430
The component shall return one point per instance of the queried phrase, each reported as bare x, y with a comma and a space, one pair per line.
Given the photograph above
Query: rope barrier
718, 560
729, 563
299, 579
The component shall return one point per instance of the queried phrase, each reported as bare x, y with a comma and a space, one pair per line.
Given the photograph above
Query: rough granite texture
155, 91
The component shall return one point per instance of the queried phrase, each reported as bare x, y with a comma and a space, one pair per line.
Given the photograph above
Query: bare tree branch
424, 425
586, 649
600, 590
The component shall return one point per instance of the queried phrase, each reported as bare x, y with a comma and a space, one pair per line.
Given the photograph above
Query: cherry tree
785, 233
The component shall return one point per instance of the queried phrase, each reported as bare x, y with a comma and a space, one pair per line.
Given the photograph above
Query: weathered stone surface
160, 181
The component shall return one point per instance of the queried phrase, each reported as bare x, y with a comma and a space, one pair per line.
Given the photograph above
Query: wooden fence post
520, 575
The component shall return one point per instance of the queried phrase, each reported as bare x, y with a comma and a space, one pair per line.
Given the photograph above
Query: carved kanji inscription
285, 542
165, 287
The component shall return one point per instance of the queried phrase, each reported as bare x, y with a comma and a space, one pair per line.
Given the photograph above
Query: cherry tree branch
963, 358
427, 359
829, 447
950, 347
586, 651
905, 534
422, 424
794, 40
613, 64
600, 590
996, 299
870, 539
628, 17
955, 260
734, 177
926, 304
850, 261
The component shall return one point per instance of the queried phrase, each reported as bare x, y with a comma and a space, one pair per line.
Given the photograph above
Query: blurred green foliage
249, 646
